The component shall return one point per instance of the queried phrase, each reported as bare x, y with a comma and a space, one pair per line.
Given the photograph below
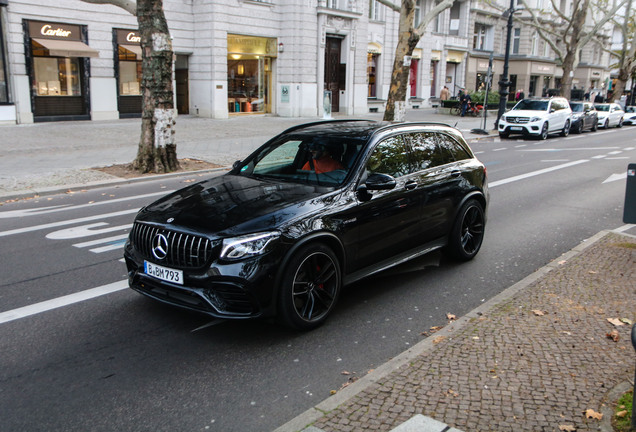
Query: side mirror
377, 181
236, 165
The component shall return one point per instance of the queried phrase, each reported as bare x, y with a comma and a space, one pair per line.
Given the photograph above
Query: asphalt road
118, 361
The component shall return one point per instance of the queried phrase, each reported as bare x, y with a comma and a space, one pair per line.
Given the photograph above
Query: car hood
525, 113
234, 205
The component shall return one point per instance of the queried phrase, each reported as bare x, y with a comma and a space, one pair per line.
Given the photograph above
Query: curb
303, 421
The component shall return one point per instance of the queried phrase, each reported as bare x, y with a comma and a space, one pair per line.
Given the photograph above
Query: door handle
455, 173
410, 185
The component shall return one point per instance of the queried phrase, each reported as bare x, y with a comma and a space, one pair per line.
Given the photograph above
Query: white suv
537, 117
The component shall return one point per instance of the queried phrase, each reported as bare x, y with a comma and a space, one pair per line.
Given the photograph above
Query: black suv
315, 208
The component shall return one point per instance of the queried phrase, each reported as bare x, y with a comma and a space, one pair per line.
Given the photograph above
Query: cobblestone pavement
536, 361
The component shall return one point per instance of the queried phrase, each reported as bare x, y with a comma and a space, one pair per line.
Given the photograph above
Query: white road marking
53, 209
615, 177
84, 231
66, 222
535, 173
115, 246
61, 301
101, 241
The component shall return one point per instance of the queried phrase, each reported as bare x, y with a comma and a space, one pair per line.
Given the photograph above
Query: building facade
71, 60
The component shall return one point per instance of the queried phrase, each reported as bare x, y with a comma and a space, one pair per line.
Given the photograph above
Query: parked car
609, 114
281, 235
630, 115
584, 117
537, 118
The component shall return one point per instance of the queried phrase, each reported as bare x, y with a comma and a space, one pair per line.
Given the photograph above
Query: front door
333, 71
183, 100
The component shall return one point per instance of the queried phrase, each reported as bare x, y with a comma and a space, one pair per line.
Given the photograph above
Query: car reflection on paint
286, 229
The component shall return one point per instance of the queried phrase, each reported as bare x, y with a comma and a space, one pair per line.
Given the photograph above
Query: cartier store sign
128, 37
48, 30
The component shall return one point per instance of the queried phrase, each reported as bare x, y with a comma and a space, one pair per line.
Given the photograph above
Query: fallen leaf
439, 339
592, 272
450, 317
538, 312
567, 428
615, 321
452, 393
613, 335
345, 373
333, 392
562, 262
626, 321
590, 413
621, 414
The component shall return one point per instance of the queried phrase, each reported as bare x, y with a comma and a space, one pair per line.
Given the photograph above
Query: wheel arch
327, 238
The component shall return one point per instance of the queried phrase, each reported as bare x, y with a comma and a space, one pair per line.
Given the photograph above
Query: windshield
322, 161
602, 107
576, 107
531, 105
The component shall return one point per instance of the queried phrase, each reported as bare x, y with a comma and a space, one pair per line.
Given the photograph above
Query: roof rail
304, 125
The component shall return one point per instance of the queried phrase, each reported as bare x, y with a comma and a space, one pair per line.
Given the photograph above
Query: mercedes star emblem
160, 246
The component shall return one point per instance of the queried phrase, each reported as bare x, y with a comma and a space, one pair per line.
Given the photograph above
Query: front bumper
236, 290
527, 129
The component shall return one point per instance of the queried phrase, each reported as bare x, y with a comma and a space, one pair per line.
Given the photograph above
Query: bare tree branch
128, 5
431, 14
390, 5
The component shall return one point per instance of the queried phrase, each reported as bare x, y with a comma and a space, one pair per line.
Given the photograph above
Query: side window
424, 150
451, 149
390, 157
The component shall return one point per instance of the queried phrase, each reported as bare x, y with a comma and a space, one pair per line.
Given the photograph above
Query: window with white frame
455, 15
534, 50
347, 5
482, 38
418, 12
516, 40
376, 10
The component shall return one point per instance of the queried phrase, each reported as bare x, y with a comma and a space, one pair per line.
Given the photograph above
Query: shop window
372, 74
57, 76
129, 78
248, 84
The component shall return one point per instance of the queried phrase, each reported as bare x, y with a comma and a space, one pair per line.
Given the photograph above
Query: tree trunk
408, 39
157, 149
566, 80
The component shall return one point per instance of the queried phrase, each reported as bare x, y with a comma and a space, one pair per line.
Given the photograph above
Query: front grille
183, 250
517, 120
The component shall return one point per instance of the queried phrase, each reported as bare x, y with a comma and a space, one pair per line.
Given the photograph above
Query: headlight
246, 246
503, 117
576, 116
535, 119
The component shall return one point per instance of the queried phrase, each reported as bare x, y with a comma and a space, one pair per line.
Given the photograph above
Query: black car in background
584, 117
287, 228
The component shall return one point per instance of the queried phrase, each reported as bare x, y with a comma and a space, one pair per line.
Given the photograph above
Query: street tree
625, 57
567, 32
157, 151
408, 37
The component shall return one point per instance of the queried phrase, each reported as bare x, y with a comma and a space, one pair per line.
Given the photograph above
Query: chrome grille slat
184, 250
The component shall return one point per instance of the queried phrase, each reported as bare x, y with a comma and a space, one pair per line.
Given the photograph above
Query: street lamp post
504, 83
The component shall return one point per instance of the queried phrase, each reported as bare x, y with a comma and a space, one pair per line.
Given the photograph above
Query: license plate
516, 128
163, 273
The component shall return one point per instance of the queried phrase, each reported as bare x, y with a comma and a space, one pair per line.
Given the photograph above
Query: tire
467, 234
620, 123
566, 129
544, 132
578, 129
595, 126
606, 124
503, 135
310, 286
456, 110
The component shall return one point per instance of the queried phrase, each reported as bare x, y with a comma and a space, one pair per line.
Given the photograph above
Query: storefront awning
136, 49
62, 48
374, 48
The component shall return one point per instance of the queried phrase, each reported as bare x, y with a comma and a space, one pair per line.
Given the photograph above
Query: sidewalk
48, 157
536, 357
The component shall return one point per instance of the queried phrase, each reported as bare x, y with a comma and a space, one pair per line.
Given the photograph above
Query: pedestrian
465, 100
444, 94
522, 95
